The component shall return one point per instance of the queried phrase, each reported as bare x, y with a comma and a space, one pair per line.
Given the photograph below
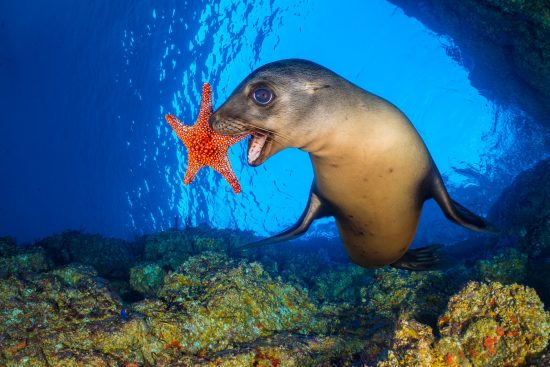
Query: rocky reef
215, 306
191, 298
523, 213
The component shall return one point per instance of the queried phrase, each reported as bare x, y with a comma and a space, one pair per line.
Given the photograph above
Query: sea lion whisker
247, 126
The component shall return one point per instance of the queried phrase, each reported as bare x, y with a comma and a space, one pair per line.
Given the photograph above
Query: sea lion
372, 169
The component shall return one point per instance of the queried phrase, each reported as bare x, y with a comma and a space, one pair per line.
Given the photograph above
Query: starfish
204, 146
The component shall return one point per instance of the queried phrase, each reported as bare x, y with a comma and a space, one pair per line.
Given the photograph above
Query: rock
423, 295
111, 257
147, 279
507, 266
523, 211
214, 303
411, 345
490, 324
8, 246
15, 260
171, 248
493, 39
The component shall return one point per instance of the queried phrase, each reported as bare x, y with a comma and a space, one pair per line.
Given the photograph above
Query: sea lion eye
262, 96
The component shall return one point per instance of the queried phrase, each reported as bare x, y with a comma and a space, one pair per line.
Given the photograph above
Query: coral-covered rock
343, 284
40, 314
411, 345
215, 310
508, 266
215, 303
147, 278
423, 295
493, 325
523, 211
8, 246
73, 274
173, 247
111, 257
23, 262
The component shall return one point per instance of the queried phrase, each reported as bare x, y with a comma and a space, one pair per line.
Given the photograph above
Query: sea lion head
280, 104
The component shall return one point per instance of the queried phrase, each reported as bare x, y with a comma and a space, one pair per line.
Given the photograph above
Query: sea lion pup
372, 170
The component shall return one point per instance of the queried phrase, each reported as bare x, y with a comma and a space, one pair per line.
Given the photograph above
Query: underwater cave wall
504, 44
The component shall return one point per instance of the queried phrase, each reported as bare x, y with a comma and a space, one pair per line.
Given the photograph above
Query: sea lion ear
313, 87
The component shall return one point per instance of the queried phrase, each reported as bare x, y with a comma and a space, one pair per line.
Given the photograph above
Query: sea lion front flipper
455, 211
431, 257
316, 208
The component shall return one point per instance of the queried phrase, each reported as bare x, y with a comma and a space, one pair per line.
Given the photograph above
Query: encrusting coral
493, 325
507, 266
485, 325
147, 278
218, 307
421, 294
215, 303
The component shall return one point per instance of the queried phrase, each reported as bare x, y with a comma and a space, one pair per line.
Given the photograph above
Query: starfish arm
206, 106
181, 130
193, 167
204, 146
227, 172
227, 141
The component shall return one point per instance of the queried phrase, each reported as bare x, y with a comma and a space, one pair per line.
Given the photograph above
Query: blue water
85, 87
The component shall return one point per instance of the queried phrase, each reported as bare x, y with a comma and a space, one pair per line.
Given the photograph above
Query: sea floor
190, 298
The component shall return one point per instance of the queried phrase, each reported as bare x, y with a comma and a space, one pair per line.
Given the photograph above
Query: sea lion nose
213, 122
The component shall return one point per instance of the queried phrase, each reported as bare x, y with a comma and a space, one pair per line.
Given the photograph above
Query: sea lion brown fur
372, 170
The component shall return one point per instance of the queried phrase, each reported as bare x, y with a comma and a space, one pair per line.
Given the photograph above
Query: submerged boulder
171, 248
485, 325
423, 295
8, 246
24, 262
111, 257
147, 278
523, 211
507, 266
490, 324
19, 260
212, 303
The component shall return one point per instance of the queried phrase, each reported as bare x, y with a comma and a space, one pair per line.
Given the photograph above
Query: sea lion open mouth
258, 145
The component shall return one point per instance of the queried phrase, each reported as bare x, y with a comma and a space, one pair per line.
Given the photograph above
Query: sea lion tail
431, 257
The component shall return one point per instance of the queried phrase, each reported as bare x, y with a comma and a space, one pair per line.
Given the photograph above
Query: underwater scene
275, 183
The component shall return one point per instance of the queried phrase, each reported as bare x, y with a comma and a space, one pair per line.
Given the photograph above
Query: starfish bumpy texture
205, 147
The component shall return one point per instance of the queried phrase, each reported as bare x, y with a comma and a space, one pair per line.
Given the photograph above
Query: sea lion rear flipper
431, 257
455, 211
316, 208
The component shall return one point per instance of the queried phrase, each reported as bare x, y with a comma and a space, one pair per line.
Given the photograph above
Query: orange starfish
205, 147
